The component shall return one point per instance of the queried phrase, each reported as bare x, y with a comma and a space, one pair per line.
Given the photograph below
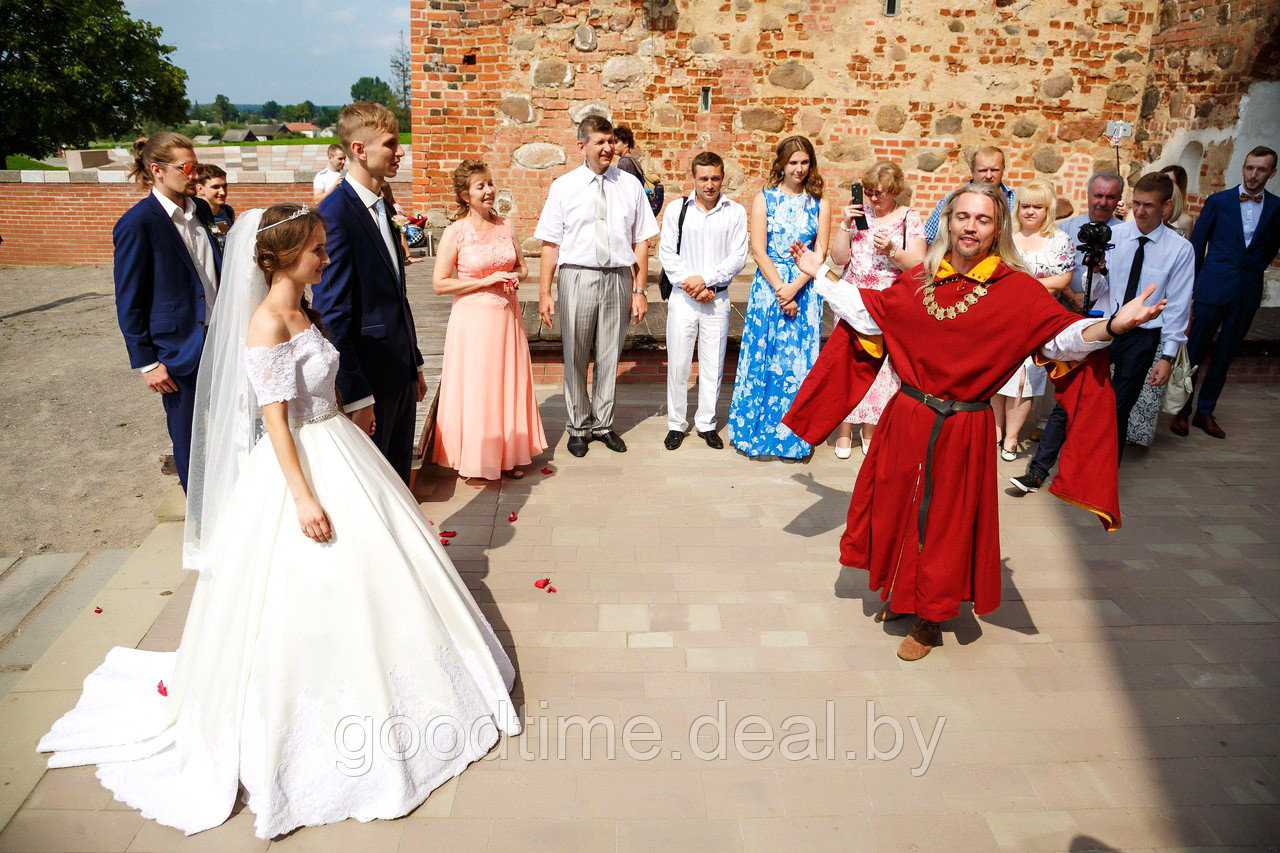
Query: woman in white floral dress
892, 242
1047, 251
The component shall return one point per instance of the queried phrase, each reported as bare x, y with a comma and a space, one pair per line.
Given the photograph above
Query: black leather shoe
577, 445
673, 440
611, 440
713, 441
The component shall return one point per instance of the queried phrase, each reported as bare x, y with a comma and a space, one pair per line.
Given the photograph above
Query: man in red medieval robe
923, 518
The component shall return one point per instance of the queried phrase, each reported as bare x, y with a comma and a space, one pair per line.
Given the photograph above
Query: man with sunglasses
167, 262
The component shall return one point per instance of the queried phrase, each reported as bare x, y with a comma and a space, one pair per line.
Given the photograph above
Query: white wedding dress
329, 681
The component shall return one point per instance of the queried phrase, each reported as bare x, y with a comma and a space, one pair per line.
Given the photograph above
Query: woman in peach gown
487, 423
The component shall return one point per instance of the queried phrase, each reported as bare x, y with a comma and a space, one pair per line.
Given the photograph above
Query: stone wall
506, 81
1211, 94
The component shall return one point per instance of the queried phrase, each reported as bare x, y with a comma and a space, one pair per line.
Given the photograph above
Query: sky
287, 51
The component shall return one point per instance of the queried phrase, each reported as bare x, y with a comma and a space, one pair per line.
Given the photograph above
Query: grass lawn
19, 162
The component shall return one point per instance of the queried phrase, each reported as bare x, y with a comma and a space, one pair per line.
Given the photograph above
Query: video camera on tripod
1095, 240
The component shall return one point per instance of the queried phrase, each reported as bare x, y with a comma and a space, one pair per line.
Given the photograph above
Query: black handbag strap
684, 206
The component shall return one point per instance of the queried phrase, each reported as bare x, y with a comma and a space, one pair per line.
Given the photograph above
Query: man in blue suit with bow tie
1235, 239
167, 263
362, 295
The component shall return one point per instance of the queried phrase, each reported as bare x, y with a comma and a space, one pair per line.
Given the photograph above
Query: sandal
516, 473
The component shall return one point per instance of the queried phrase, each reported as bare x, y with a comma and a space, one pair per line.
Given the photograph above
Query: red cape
966, 358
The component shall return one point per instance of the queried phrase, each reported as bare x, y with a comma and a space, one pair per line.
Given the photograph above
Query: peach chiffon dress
487, 421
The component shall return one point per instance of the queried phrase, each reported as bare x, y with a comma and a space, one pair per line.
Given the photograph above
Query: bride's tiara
302, 211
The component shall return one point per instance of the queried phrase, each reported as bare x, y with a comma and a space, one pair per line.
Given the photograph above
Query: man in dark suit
362, 296
1235, 239
167, 264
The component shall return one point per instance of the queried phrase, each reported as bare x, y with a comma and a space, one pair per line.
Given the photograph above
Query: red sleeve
1087, 467
839, 379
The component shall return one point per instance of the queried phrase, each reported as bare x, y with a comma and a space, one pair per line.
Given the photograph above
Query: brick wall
70, 223
1039, 79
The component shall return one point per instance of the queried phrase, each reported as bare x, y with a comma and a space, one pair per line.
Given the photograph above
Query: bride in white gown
333, 663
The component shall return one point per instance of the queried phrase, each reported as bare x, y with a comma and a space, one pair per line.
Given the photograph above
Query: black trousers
1230, 323
395, 414
1131, 356
179, 410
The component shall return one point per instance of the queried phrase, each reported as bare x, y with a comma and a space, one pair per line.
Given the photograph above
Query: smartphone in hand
859, 222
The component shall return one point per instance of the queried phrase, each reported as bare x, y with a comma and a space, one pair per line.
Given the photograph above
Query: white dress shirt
713, 245
568, 218
846, 302
1072, 229
1169, 263
1249, 213
194, 236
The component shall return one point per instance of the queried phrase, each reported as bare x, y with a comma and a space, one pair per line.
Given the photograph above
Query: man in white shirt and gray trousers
703, 246
595, 227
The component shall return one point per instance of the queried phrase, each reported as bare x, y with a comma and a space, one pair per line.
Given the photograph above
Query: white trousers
705, 324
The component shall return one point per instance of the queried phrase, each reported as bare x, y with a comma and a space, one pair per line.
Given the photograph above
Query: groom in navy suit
362, 296
1235, 239
167, 264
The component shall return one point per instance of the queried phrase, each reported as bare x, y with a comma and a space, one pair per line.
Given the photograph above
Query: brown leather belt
942, 409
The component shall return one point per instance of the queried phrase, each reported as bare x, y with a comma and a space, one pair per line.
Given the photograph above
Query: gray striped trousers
594, 308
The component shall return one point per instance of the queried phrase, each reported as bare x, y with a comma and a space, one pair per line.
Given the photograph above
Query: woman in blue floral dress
780, 338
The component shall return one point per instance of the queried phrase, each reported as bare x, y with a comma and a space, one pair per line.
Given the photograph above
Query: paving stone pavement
1125, 696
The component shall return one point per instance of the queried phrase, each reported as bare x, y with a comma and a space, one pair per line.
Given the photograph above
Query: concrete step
27, 583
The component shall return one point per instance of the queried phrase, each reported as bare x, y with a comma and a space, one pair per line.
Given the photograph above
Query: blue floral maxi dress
777, 351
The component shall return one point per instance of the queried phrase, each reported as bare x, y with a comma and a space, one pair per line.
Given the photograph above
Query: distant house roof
299, 126
264, 131
202, 140
239, 136
331, 130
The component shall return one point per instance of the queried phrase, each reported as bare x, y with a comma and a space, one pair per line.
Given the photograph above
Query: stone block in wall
929, 161
1069, 130
518, 108
524, 42
1120, 92
948, 125
1057, 86
846, 151
531, 246
552, 71
1024, 128
704, 44
621, 20
539, 155
1150, 100
621, 71
1128, 55
761, 119
890, 118
1047, 160
790, 75
10, 176
591, 108
584, 38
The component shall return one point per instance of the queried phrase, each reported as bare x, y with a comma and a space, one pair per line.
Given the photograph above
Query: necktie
602, 224
1247, 197
384, 228
1135, 271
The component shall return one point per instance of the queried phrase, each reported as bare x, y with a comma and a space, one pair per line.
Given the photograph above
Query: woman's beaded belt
314, 419
942, 409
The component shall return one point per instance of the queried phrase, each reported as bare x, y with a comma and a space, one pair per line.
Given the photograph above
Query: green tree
224, 110
402, 80
373, 89
271, 110
200, 112
299, 112
72, 71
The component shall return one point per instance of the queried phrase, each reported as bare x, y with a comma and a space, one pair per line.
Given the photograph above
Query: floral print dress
777, 351
870, 268
1054, 256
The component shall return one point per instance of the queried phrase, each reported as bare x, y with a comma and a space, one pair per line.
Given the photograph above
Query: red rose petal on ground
542, 584
511, 517
161, 689
444, 543
551, 589
448, 534
546, 470
97, 610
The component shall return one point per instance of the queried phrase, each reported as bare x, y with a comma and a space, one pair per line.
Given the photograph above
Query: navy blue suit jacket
1226, 270
363, 301
160, 302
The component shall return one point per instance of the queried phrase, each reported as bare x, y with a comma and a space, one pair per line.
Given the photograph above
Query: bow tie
1247, 197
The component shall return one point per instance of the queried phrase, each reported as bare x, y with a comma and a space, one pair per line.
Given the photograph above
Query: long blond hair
1003, 245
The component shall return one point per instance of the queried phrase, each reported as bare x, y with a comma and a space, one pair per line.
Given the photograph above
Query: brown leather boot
1179, 426
1209, 425
921, 640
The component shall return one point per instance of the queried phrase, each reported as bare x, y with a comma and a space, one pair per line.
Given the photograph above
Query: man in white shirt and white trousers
595, 227
703, 246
